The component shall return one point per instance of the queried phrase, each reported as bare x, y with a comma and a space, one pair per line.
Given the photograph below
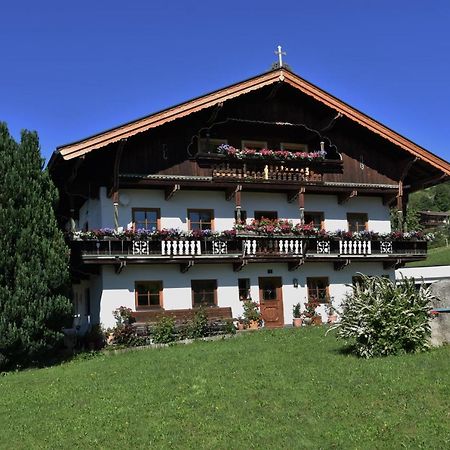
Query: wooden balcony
246, 249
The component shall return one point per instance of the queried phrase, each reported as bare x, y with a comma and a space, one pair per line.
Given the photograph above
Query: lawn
439, 256
291, 388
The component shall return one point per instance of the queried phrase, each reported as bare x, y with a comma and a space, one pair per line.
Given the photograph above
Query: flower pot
254, 325
317, 320
241, 326
307, 320
332, 318
297, 322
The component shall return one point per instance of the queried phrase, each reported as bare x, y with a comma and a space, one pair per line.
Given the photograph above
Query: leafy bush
164, 330
381, 318
198, 326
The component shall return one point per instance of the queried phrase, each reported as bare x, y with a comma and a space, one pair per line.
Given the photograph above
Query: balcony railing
249, 247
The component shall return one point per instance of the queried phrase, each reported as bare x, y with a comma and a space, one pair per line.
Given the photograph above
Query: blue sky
69, 70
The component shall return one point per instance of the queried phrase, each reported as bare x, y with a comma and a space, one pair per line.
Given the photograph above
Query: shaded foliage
33, 256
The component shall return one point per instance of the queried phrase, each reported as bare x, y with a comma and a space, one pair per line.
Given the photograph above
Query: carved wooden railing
270, 246
271, 172
248, 246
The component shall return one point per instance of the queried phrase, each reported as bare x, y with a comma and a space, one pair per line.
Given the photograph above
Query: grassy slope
436, 257
270, 389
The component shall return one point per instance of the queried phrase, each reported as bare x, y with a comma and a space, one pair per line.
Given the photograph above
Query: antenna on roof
280, 64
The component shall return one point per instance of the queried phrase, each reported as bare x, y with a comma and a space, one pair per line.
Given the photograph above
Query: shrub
381, 318
251, 311
164, 330
198, 326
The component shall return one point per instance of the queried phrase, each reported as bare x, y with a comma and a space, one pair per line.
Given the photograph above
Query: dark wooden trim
158, 217
185, 266
341, 264
215, 291
202, 210
144, 308
346, 196
366, 220
294, 265
169, 192
315, 279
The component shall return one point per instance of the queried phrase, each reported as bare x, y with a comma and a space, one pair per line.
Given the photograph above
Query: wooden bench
181, 315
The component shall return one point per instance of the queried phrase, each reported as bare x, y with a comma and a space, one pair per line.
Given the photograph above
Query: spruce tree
33, 256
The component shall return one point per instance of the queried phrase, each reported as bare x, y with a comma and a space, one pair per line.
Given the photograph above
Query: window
255, 145
243, 216
271, 215
146, 218
357, 221
292, 147
201, 219
148, 294
318, 289
204, 292
203, 146
244, 288
315, 219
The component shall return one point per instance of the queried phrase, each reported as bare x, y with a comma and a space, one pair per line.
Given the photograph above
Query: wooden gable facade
176, 147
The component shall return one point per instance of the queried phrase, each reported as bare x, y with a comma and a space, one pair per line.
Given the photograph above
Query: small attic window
254, 145
203, 146
293, 147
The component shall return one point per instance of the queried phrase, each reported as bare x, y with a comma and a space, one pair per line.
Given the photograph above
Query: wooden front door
271, 300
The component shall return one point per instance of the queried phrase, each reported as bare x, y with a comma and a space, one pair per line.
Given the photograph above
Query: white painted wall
118, 289
429, 274
174, 211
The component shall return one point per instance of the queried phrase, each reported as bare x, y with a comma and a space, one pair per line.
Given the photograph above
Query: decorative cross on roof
280, 55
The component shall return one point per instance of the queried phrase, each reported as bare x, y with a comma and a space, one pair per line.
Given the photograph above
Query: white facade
109, 290
99, 213
118, 289
429, 274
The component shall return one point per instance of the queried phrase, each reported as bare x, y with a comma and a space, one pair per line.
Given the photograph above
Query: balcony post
237, 199
301, 205
116, 210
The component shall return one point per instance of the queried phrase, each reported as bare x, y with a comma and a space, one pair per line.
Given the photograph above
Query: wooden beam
297, 195
119, 265
339, 265
233, 192
346, 196
184, 267
170, 191
237, 267
294, 265
395, 264
389, 199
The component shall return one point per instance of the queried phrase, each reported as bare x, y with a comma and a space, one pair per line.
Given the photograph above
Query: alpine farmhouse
270, 188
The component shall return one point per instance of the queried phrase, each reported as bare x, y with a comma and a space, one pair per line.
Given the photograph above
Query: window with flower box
146, 218
315, 219
148, 294
357, 222
210, 145
204, 293
270, 215
318, 289
200, 219
254, 145
294, 147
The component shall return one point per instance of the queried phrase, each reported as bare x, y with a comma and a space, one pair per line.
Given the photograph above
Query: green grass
291, 388
439, 256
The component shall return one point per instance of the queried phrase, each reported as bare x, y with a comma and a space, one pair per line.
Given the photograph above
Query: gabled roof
129, 129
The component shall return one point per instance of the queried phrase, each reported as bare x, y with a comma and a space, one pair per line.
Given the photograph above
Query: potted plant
252, 315
332, 313
296, 312
240, 323
311, 315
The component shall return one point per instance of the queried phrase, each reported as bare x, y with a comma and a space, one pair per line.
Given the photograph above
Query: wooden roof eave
122, 132
79, 148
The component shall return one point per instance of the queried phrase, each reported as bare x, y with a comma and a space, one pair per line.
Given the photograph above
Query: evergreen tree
33, 256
